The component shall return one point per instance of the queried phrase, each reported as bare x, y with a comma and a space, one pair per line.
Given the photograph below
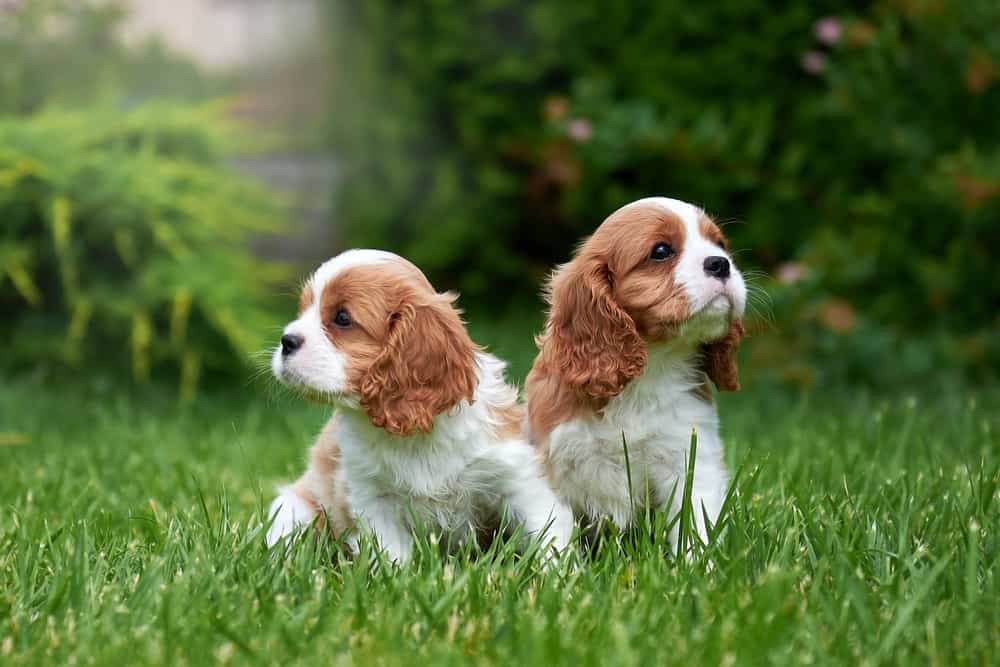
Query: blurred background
169, 171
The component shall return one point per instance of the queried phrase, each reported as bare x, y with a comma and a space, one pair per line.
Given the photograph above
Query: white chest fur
464, 473
439, 479
656, 415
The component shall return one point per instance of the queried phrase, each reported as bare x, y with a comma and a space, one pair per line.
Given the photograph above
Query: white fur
657, 412
289, 515
451, 478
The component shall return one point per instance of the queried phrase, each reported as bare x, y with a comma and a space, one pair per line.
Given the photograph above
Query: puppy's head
656, 270
373, 334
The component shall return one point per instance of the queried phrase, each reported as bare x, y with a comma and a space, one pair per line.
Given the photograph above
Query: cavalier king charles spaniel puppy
646, 314
426, 430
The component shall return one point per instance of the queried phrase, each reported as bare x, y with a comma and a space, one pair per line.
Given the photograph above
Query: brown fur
719, 359
426, 368
507, 419
305, 298
320, 487
704, 391
410, 356
711, 231
605, 306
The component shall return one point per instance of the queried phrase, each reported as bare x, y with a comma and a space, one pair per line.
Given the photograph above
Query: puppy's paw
290, 516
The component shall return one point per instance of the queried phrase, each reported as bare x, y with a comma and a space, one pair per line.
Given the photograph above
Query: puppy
644, 316
425, 426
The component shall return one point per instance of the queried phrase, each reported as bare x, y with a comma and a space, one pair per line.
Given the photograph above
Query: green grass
863, 531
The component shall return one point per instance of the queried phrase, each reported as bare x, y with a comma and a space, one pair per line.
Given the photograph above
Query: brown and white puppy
646, 313
425, 425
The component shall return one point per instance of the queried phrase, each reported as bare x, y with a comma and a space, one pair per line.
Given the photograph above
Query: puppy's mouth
294, 381
289, 377
710, 321
720, 305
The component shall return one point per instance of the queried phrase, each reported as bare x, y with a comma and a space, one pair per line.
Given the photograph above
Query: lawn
863, 530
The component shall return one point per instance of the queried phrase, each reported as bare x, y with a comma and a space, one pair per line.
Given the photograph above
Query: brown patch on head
409, 355
708, 229
646, 289
305, 298
605, 305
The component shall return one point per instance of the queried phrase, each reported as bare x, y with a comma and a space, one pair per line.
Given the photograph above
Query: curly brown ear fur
719, 359
591, 342
427, 367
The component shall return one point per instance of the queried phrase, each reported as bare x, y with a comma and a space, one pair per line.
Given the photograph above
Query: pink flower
579, 129
791, 273
813, 62
828, 30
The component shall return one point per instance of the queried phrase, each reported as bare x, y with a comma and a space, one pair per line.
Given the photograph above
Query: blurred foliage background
121, 240
125, 237
856, 143
854, 147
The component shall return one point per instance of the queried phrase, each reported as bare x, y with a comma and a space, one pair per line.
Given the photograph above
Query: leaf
179, 316
82, 310
190, 370
142, 334
60, 220
25, 286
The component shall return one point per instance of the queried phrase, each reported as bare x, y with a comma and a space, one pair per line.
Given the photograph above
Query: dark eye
661, 252
342, 319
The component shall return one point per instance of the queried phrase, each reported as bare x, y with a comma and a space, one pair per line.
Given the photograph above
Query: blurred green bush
124, 239
857, 142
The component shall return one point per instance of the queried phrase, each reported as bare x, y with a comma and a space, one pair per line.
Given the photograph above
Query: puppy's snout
717, 267
290, 343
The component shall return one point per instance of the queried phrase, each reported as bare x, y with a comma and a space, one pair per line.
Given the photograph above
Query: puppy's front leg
535, 505
543, 515
708, 491
291, 514
382, 519
319, 492
707, 495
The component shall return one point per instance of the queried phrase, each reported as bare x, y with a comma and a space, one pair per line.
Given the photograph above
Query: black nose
290, 343
717, 267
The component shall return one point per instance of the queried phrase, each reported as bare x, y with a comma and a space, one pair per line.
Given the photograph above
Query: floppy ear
719, 358
427, 367
592, 342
